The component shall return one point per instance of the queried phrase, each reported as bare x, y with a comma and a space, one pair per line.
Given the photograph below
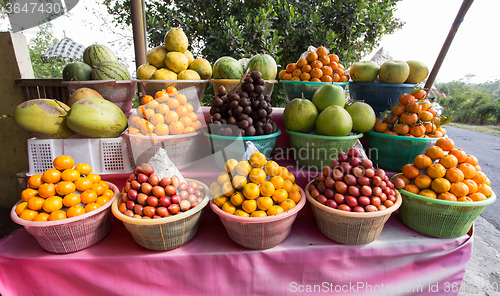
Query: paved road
487, 150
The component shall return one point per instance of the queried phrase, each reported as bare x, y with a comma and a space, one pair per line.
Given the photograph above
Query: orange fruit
172, 103
228, 207
186, 121
146, 99
171, 91
257, 175
447, 196
70, 175
414, 107
295, 196
264, 203
94, 178
454, 175
471, 159
243, 168
91, 206
272, 168
476, 196
249, 205
274, 210
436, 170
422, 161
28, 193
65, 187
162, 109
57, 215
182, 99
411, 171
88, 196
333, 58
152, 104
258, 214
380, 126
220, 200
311, 56
28, 215
465, 199
459, 154
257, 160
53, 203
412, 188
425, 115
237, 199
280, 195
47, 190
434, 152
63, 162
75, 211
448, 161
419, 94
471, 184
484, 189
291, 67
241, 213
417, 130
51, 176
423, 181
479, 178
176, 128
459, 189
35, 181
287, 186
322, 51
403, 177
446, 144
71, 199
161, 129
36, 203
406, 98
440, 185
228, 189
83, 184
42, 217
468, 170
160, 94
301, 62
287, 204
239, 182
251, 191
267, 188
428, 193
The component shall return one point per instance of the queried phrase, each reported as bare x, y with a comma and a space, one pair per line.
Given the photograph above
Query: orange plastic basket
72, 234
259, 233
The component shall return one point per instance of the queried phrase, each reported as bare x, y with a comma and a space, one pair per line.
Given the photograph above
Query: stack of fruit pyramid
173, 61
255, 188
447, 173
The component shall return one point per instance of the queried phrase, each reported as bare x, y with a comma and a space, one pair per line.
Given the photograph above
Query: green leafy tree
37, 46
282, 28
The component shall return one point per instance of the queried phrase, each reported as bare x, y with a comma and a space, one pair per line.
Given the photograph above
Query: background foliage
471, 103
37, 46
282, 28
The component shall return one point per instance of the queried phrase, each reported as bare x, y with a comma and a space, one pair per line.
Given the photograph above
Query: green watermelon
110, 70
77, 71
96, 53
227, 68
265, 64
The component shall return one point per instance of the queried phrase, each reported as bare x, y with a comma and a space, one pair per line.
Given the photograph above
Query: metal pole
444, 50
138, 13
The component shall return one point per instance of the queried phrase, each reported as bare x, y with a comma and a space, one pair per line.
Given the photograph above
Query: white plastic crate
104, 155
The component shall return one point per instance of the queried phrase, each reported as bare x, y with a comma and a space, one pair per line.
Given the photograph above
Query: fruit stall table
400, 262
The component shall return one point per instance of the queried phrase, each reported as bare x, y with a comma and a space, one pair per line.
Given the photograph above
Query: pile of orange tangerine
446, 173
411, 117
317, 66
167, 113
65, 191
255, 188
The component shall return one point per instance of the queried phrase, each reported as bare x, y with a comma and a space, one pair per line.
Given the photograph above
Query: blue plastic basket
380, 96
225, 148
295, 89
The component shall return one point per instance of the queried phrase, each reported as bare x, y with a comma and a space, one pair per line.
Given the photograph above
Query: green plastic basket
295, 89
225, 148
380, 96
391, 152
314, 152
439, 218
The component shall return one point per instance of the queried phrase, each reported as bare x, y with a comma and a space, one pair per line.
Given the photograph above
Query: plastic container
391, 152
165, 233
259, 233
350, 228
314, 151
104, 155
120, 92
295, 89
230, 84
192, 89
381, 96
440, 218
181, 149
225, 148
71, 234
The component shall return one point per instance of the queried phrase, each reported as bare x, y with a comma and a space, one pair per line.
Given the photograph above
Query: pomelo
418, 72
394, 72
328, 95
364, 71
334, 121
362, 115
300, 115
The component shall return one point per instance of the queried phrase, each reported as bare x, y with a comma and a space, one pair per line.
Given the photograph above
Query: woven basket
259, 233
295, 89
314, 152
380, 96
350, 228
440, 218
225, 148
165, 233
71, 234
391, 152
181, 149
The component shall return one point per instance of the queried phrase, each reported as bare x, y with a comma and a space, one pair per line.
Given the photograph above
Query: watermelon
96, 53
77, 71
265, 64
227, 68
110, 70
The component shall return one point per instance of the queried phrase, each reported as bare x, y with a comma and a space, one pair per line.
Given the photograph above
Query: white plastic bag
163, 166
251, 149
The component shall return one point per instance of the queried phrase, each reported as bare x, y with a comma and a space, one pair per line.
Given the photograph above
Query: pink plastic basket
259, 233
72, 234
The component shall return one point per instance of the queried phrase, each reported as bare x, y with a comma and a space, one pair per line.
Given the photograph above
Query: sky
474, 49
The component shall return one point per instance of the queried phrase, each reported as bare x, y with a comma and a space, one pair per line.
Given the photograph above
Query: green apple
418, 72
394, 72
327, 95
364, 71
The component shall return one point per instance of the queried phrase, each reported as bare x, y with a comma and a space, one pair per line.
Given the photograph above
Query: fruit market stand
211, 264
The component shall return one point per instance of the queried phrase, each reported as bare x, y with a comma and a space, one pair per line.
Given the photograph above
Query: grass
487, 129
